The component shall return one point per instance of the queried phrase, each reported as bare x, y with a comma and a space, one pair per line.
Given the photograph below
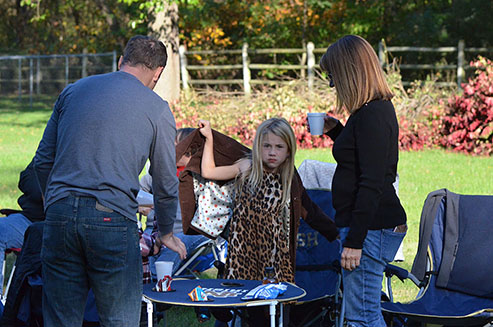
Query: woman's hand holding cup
329, 123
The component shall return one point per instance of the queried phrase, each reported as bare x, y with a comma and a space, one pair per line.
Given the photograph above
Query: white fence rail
48, 74
308, 64
460, 66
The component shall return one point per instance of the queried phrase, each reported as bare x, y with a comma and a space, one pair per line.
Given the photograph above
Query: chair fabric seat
441, 303
454, 250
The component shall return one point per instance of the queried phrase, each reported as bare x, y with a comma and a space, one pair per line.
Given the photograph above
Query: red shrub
421, 132
246, 126
468, 123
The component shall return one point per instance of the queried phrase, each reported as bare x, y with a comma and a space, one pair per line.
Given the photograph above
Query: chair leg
3, 296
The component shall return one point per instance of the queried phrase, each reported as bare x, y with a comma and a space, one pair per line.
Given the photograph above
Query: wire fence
48, 74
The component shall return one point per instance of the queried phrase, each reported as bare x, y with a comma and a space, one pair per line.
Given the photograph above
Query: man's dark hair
145, 50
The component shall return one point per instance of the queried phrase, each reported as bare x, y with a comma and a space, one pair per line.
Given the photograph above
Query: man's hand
173, 243
145, 210
350, 258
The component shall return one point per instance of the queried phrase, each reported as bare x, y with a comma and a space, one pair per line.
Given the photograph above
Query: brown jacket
226, 152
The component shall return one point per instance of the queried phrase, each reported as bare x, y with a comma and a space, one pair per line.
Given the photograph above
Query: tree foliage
66, 26
51, 26
290, 23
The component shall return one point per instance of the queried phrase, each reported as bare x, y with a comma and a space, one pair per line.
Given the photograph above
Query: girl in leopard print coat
262, 224
268, 203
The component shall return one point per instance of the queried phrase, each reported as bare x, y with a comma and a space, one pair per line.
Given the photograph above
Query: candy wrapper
265, 292
197, 294
164, 285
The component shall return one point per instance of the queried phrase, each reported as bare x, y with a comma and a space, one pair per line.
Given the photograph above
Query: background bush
467, 125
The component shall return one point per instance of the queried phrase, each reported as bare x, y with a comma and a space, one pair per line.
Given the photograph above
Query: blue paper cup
316, 122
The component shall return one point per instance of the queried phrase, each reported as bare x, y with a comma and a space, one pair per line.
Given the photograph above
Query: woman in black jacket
371, 219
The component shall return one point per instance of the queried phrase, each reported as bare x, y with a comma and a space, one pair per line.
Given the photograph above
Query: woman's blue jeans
363, 286
191, 242
86, 245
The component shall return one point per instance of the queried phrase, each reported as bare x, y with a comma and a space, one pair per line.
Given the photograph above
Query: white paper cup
163, 268
316, 122
145, 199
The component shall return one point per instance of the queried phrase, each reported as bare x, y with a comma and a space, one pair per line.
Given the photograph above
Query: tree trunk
165, 28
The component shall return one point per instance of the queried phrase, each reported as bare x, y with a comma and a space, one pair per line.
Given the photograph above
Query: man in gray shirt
97, 141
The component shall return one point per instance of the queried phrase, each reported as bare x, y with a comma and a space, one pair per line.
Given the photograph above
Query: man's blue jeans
12, 229
87, 246
363, 286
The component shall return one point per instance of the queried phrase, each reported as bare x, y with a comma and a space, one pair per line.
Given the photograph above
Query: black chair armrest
401, 273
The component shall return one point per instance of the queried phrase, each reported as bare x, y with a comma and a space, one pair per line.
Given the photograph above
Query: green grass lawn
21, 129
420, 173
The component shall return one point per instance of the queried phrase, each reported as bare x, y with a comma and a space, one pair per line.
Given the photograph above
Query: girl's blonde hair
356, 72
253, 176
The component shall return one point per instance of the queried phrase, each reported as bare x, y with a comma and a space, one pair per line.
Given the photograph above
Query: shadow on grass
22, 113
39, 123
14, 104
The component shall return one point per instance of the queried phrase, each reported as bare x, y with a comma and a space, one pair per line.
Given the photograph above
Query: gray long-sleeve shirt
102, 131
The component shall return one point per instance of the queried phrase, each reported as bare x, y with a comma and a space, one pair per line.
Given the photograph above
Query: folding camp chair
315, 256
211, 253
23, 303
16, 251
452, 266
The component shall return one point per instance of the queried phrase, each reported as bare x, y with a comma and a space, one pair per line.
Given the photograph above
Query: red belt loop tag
106, 219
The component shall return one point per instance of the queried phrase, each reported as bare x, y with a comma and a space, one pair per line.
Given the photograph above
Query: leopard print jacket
259, 233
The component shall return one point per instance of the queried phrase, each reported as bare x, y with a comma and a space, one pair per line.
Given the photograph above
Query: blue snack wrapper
197, 294
265, 292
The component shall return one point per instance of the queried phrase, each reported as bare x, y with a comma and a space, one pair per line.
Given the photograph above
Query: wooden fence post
310, 64
114, 65
183, 68
66, 70
31, 82
381, 53
246, 70
20, 78
303, 61
460, 63
84, 63
38, 76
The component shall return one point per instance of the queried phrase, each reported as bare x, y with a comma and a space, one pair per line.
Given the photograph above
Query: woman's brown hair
355, 72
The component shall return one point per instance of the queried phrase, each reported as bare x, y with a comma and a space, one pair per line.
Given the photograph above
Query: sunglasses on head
331, 80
